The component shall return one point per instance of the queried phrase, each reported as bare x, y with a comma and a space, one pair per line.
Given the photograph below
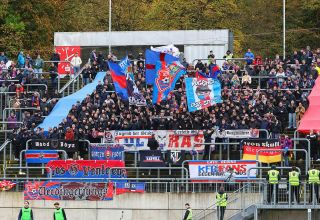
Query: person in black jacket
207, 139
153, 144
55, 57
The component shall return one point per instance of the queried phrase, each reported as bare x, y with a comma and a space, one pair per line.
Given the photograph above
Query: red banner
66, 54
78, 169
68, 191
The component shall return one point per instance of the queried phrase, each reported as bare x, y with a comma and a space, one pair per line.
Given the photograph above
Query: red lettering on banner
173, 141
198, 139
186, 142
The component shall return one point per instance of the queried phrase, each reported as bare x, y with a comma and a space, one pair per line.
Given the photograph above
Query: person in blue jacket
21, 60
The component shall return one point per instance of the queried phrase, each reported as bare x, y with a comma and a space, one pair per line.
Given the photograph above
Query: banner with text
151, 158
106, 151
54, 144
252, 146
78, 169
172, 139
214, 170
49, 190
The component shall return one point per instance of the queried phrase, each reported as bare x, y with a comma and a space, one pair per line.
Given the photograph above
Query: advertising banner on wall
214, 170
48, 190
253, 146
172, 139
88, 169
106, 151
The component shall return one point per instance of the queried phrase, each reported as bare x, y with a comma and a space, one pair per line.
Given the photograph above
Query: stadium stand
267, 96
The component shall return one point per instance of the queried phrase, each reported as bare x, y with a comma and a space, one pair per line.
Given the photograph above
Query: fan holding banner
202, 93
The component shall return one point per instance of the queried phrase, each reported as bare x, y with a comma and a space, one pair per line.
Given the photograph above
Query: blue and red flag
138, 187
152, 57
201, 75
166, 78
119, 80
41, 156
214, 70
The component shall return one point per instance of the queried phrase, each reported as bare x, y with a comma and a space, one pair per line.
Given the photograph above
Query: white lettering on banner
170, 139
215, 170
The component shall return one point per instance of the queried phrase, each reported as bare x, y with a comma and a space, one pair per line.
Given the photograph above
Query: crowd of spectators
277, 104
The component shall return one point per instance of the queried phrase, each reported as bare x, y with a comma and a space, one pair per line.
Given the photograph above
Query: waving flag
119, 80
41, 156
202, 93
214, 70
135, 97
166, 78
152, 57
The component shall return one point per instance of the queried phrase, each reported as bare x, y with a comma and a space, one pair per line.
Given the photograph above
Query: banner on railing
54, 144
252, 146
90, 170
172, 139
215, 170
175, 157
41, 156
151, 158
106, 151
48, 190
130, 187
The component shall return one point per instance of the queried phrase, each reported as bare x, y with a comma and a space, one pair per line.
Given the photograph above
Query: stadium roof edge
139, 38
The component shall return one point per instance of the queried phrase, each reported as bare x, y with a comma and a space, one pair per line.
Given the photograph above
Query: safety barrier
283, 150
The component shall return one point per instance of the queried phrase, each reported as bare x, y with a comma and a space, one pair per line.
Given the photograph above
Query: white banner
171, 139
214, 170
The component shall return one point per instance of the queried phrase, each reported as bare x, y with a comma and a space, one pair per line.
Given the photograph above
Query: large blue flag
119, 80
166, 78
135, 97
151, 59
202, 93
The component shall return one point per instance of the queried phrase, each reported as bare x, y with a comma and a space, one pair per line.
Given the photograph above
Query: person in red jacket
69, 135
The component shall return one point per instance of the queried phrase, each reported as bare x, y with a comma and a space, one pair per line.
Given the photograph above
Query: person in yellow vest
26, 212
313, 177
59, 213
294, 183
222, 200
188, 213
273, 178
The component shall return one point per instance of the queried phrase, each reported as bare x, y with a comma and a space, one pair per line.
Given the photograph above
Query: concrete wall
151, 206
